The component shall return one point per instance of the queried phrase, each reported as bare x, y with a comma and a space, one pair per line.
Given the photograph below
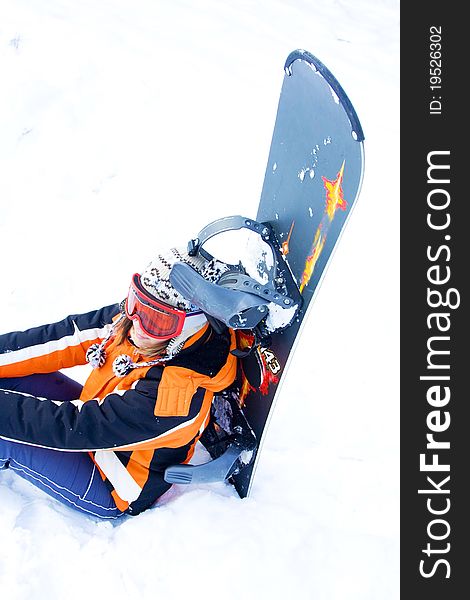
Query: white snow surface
126, 126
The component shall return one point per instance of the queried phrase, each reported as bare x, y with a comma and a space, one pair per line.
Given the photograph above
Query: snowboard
312, 180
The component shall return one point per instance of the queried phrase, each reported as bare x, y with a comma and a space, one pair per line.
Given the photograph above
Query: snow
279, 316
126, 127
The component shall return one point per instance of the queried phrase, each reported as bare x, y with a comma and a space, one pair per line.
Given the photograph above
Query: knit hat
156, 276
156, 280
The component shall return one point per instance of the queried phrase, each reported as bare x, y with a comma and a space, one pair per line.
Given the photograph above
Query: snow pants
70, 477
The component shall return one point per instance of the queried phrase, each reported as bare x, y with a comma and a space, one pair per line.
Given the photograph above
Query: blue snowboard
313, 177
312, 180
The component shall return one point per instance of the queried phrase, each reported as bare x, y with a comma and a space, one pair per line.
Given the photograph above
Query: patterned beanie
156, 276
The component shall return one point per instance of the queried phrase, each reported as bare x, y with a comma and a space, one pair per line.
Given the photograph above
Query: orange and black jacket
133, 426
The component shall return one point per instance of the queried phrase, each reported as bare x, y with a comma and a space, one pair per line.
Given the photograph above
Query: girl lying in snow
156, 363
157, 358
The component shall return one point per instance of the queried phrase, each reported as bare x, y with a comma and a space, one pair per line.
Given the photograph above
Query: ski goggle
157, 319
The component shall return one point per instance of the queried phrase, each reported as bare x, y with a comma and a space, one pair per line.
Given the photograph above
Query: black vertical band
434, 400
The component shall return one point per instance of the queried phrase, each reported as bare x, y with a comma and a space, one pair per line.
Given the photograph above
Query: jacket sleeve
121, 421
56, 346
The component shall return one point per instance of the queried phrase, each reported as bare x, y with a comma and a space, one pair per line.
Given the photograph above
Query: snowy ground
126, 126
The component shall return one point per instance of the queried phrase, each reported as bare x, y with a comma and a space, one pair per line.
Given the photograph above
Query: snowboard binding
268, 300
259, 303
229, 440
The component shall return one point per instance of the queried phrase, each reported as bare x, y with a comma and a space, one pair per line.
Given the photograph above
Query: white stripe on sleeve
16, 356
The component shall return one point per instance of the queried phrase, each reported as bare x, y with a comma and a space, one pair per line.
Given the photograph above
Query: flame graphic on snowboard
334, 200
268, 365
